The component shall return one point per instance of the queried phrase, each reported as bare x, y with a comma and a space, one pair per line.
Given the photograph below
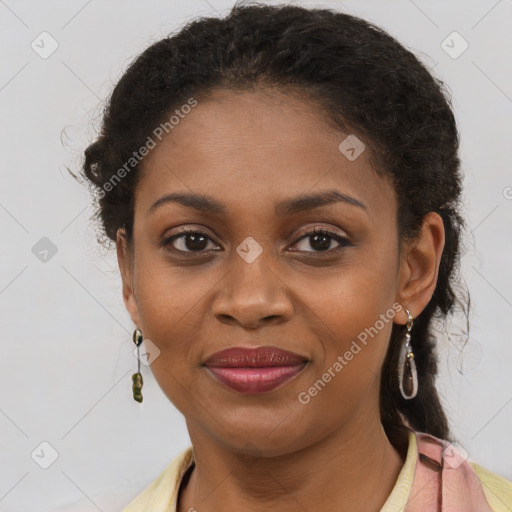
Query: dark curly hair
367, 83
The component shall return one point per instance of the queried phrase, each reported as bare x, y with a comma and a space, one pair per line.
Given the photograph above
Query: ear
125, 261
419, 267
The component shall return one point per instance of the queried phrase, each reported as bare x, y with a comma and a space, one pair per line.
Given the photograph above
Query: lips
255, 370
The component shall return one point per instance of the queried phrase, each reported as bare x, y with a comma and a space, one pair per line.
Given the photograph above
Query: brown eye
189, 240
320, 240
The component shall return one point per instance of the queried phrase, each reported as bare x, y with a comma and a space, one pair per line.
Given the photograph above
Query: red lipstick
255, 370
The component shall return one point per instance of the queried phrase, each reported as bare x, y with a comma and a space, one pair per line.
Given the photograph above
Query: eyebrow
207, 204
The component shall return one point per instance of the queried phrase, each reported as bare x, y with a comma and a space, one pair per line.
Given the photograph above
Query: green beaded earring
137, 377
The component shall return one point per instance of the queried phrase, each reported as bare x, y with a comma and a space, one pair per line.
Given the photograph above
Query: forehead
258, 147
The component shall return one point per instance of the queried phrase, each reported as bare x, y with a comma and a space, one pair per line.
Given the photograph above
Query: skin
249, 151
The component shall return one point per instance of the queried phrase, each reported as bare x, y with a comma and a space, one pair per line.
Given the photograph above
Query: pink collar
444, 480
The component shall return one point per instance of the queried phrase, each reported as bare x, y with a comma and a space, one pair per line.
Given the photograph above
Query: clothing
428, 482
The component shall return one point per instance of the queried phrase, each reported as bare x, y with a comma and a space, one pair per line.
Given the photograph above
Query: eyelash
183, 231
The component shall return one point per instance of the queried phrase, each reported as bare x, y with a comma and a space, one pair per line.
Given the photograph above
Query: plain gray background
66, 350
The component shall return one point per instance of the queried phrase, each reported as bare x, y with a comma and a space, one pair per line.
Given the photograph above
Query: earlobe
419, 267
125, 262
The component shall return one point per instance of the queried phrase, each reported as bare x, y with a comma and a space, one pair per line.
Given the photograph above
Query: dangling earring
407, 375
137, 377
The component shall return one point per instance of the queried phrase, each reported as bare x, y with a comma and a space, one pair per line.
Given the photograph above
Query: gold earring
407, 374
137, 377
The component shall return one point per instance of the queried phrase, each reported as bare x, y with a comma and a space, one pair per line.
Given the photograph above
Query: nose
252, 295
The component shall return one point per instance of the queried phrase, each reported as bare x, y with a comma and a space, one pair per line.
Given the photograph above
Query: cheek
354, 340
350, 300
353, 313
169, 299
169, 303
346, 376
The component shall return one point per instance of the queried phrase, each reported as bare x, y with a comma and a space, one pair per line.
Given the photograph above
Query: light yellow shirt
162, 494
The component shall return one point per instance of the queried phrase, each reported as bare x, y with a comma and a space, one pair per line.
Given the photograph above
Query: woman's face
261, 277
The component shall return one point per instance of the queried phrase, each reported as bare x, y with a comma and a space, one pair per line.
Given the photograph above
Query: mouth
255, 370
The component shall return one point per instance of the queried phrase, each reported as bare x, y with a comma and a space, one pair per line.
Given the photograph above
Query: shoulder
497, 490
161, 494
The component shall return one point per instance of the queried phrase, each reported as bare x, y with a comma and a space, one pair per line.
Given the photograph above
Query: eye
321, 239
190, 240
194, 240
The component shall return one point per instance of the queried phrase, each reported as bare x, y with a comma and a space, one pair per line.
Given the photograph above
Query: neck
354, 468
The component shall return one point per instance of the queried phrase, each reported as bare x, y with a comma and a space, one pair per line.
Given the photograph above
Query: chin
264, 434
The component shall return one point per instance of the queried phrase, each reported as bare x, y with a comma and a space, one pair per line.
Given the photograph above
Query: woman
283, 189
